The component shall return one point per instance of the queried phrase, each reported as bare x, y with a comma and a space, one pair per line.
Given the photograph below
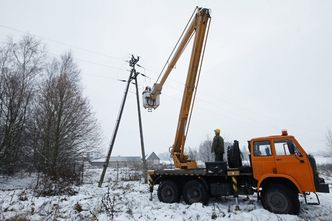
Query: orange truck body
278, 162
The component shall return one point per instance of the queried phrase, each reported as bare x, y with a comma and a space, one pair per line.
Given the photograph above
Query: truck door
290, 161
262, 159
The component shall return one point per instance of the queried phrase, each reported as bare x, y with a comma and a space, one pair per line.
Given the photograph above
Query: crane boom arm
198, 28
177, 54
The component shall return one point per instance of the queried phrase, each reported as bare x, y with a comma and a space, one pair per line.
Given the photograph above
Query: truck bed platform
243, 171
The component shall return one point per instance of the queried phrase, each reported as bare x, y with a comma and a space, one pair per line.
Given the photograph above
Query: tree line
46, 124
204, 151
329, 141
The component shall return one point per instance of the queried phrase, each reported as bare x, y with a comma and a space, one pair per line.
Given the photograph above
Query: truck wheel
278, 198
194, 191
168, 192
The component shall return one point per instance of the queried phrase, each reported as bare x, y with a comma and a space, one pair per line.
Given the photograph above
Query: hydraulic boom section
197, 28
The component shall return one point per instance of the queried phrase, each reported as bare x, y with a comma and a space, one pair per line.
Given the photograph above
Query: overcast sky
267, 66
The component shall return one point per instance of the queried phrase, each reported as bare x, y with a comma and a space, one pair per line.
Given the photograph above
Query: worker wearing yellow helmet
218, 146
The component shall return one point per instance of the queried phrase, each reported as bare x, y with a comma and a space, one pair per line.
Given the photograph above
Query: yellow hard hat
217, 130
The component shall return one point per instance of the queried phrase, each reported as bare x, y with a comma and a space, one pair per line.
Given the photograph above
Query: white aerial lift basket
149, 103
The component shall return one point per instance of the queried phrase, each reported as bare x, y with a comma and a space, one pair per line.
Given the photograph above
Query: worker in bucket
218, 146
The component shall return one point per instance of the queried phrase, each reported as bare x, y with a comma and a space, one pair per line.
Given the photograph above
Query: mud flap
311, 203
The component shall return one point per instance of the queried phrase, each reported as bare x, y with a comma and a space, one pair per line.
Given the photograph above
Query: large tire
168, 192
195, 192
278, 198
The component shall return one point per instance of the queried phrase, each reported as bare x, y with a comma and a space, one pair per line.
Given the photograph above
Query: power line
113, 67
79, 48
119, 69
95, 63
91, 62
99, 75
63, 43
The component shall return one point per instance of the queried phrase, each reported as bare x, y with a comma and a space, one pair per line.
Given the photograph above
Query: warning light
284, 132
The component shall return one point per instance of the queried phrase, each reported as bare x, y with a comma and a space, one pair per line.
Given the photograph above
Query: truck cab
280, 162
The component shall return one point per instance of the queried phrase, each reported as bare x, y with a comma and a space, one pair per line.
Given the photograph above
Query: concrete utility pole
133, 76
141, 132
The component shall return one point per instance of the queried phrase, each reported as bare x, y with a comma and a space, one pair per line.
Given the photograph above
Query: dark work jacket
218, 145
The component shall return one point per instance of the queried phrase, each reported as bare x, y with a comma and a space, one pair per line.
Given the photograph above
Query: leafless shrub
134, 173
49, 186
78, 207
325, 169
23, 196
18, 218
110, 203
94, 216
132, 176
130, 211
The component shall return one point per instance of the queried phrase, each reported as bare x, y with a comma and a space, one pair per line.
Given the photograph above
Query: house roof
153, 156
120, 158
126, 158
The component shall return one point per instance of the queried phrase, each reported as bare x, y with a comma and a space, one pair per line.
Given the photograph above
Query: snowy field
129, 200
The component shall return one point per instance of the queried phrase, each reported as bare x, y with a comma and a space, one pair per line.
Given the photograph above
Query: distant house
125, 161
97, 162
118, 162
153, 160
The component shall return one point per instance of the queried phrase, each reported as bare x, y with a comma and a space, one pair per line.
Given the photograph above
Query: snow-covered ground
130, 201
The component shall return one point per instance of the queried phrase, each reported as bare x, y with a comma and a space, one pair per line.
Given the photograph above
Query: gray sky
267, 66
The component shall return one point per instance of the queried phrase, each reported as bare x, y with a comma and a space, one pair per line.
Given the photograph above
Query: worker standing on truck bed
218, 146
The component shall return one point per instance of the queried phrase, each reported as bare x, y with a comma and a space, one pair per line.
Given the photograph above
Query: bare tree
66, 128
204, 151
329, 140
245, 154
192, 153
20, 64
